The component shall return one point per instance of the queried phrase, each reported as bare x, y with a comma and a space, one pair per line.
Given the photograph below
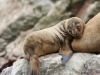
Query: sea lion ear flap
63, 23
83, 24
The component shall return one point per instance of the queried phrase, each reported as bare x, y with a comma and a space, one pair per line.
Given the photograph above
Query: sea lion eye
69, 31
78, 27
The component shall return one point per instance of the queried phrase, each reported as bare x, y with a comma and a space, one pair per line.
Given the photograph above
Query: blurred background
18, 18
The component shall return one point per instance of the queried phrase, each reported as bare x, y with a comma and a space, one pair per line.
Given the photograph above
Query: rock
26, 20
54, 16
7, 71
3, 61
51, 65
76, 5
75, 66
90, 11
92, 66
20, 67
3, 43
2, 53
15, 48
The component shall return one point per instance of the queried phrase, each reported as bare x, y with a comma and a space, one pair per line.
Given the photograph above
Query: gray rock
54, 16
3, 53
15, 48
6, 71
75, 66
92, 66
3, 61
20, 67
90, 10
3, 43
52, 65
26, 20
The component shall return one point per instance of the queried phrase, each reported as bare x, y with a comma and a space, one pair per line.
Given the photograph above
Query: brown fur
90, 40
51, 40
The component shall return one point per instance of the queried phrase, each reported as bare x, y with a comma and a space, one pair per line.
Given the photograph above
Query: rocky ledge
79, 64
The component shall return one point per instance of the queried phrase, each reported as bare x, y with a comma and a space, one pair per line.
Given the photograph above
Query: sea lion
50, 40
90, 40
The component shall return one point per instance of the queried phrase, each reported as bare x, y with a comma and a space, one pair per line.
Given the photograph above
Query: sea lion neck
61, 28
60, 34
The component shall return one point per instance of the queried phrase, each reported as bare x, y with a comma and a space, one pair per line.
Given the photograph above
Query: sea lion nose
75, 34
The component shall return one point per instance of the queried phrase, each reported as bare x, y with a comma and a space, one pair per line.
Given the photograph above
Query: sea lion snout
75, 34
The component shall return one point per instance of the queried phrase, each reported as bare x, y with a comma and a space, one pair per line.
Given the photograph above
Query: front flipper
65, 58
65, 52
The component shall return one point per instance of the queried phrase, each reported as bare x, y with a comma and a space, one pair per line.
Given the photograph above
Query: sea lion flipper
34, 73
65, 58
65, 52
34, 65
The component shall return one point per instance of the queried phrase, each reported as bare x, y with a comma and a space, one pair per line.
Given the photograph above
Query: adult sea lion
90, 40
50, 40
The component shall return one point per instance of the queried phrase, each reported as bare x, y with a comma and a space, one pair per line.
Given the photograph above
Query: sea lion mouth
75, 36
78, 36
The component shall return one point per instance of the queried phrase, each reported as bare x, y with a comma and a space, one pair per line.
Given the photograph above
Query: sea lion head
75, 27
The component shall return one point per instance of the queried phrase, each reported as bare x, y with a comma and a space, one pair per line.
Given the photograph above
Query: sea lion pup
90, 40
50, 40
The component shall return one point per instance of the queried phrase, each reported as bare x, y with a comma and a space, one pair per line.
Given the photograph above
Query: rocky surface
52, 65
27, 19
21, 17
20, 67
92, 66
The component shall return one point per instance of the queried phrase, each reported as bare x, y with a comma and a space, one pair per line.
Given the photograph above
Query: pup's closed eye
70, 31
78, 27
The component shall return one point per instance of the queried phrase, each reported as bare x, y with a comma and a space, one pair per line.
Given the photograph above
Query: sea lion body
53, 39
45, 42
48, 40
90, 40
